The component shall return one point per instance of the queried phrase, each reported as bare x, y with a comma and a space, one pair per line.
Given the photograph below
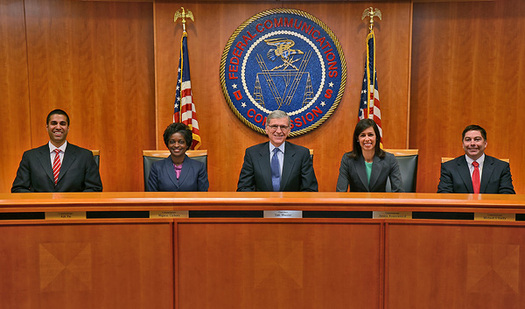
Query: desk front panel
278, 264
124, 265
455, 265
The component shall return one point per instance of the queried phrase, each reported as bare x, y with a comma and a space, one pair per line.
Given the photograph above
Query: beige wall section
468, 67
225, 136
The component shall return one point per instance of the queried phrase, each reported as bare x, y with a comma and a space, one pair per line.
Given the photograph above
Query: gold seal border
288, 11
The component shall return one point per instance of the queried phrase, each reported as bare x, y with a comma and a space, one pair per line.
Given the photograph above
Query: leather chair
407, 160
96, 156
151, 156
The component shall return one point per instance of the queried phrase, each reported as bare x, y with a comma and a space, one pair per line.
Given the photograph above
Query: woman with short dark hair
178, 172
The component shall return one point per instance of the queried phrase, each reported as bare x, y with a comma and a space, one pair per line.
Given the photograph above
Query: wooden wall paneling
454, 266
467, 63
95, 60
225, 136
14, 107
87, 266
278, 264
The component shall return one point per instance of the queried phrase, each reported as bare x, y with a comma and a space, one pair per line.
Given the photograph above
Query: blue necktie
276, 170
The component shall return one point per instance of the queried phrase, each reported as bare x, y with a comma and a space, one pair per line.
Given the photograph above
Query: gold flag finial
371, 12
183, 14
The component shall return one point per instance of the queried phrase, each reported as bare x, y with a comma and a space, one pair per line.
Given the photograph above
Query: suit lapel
171, 172
361, 172
264, 164
488, 169
464, 172
44, 157
70, 156
288, 164
376, 171
186, 167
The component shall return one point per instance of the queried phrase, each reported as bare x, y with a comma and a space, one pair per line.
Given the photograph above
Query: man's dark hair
474, 127
57, 112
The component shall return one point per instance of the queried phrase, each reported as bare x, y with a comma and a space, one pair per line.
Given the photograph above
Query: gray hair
277, 114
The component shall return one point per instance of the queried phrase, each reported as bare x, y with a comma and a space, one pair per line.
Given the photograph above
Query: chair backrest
96, 156
312, 154
407, 160
151, 156
446, 159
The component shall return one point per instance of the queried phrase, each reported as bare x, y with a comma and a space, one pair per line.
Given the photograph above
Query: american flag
370, 105
184, 108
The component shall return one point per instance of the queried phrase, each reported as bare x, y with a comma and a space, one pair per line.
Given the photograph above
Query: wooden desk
226, 254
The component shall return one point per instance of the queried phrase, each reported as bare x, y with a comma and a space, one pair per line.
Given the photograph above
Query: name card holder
392, 214
283, 214
66, 215
494, 216
166, 214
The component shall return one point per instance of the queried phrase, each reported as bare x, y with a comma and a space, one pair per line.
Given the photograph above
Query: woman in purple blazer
178, 172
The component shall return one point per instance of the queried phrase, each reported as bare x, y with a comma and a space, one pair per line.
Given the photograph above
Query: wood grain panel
468, 64
14, 104
279, 265
87, 266
225, 136
454, 266
95, 60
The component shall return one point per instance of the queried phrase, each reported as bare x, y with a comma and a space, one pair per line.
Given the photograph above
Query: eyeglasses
274, 127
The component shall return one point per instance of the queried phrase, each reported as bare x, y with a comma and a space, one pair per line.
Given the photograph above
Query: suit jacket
352, 172
495, 178
193, 176
78, 172
298, 171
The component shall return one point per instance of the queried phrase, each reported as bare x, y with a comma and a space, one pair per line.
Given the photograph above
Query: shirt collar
480, 160
281, 148
62, 147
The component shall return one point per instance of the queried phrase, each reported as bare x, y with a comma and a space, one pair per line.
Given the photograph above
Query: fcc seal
283, 59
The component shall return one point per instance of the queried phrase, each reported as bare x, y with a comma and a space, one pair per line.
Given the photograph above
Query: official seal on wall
283, 59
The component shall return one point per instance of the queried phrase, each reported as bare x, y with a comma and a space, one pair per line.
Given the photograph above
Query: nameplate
66, 215
283, 213
494, 217
392, 214
162, 214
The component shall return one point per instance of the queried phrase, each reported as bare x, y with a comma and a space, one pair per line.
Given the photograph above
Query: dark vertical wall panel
468, 66
14, 102
95, 60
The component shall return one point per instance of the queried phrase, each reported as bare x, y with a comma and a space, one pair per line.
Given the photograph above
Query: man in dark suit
57, 166
277, 165
475, 172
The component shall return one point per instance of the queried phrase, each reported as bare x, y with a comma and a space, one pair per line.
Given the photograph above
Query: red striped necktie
475, 177
56, 165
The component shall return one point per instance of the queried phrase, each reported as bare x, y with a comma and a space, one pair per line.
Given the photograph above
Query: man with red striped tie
475, 172
58, 166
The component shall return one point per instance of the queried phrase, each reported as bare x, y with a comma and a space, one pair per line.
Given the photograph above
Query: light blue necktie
276, 170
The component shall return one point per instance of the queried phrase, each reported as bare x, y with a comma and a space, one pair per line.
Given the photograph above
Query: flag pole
184, 107
183, 14
371, 13
369, 106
